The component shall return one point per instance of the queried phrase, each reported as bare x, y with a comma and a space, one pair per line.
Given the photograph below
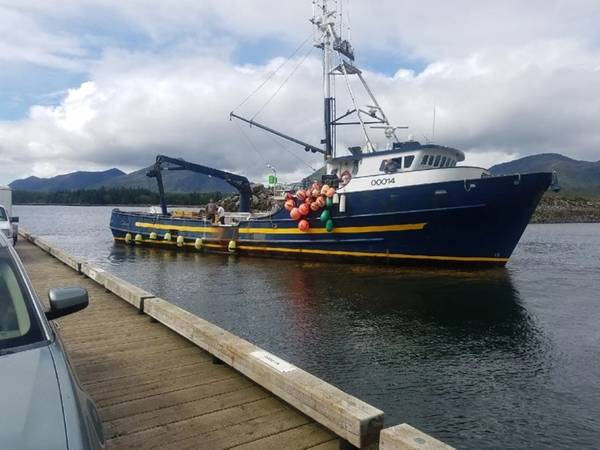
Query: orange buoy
321, 201
295, 214
303, 225
289, 204
308, 200
304, 209
301, 194
315, 192
314, 206
324, 189
330, 192
288, 196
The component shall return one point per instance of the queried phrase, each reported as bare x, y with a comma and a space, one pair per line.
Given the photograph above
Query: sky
91, 84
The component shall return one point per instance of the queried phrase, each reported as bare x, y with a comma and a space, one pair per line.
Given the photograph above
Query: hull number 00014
383, 181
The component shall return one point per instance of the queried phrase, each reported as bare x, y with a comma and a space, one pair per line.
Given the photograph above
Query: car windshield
18, 323
2, 214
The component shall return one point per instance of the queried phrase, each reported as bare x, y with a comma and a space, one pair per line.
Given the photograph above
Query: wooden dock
155, 389
156, 373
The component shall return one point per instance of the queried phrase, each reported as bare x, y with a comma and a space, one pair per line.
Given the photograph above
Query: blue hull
475, 222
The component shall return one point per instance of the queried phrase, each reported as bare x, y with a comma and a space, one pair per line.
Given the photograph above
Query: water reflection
302, 307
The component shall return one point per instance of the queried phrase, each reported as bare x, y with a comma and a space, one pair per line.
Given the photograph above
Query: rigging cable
252, 146
274, 71
284, 82
290, 152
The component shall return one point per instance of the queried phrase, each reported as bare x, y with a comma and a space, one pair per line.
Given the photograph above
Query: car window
18, 323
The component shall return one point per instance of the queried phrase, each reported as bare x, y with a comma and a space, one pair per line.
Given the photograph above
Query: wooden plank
198, 426
98, 387
41, 243
128, 356
298, 438
131, 294
24, 234
65, 258
347, 416
112, 370
161, 417
172, 398
244, 432
334, 444
405, 437
202, 375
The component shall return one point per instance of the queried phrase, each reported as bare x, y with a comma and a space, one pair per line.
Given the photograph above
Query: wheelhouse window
436, 162
18, 323
424, 160
392, 165
408, 160
443, 162
2, 214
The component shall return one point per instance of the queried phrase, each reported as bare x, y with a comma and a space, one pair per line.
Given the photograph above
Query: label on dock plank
273, 361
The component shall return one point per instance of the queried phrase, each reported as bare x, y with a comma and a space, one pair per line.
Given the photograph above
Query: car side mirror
65, 301
14, 220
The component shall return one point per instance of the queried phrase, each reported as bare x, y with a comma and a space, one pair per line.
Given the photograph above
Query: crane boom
239, 182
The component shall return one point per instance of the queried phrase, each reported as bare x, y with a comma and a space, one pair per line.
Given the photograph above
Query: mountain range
66, 182
575, 177
174, 181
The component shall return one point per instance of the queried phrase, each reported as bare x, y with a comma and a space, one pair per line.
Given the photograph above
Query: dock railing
355, 421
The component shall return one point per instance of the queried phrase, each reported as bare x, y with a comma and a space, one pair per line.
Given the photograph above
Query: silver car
43, 406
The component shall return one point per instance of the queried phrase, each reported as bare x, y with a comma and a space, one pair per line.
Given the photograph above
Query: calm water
505, 358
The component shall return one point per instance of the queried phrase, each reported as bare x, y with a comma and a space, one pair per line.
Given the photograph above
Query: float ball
304, 209
289, 204
295, 214
303, 225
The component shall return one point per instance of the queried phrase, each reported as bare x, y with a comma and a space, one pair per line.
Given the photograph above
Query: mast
324, 24
334, 47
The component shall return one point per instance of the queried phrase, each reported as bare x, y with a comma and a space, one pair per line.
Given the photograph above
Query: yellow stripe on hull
159, 226
373, 254
249, 230
342, 230
339, 252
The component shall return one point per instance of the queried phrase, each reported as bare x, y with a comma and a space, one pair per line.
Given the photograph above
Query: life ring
345, 178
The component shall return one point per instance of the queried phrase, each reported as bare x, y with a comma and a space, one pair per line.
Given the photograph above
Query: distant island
578, 201
579, 198
113, 196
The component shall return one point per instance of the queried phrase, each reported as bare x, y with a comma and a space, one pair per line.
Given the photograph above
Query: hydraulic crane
237, 181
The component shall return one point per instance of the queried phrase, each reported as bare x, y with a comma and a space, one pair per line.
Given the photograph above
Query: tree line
113, 196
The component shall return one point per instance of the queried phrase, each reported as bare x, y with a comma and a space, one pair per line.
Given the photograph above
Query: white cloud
25, 40
507, 79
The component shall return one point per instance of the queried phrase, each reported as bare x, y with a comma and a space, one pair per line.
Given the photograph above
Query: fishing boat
411, 202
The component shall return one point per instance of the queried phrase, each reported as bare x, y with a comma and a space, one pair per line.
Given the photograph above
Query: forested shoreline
116, 196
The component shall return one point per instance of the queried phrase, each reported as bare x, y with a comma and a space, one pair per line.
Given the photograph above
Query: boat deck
155, 389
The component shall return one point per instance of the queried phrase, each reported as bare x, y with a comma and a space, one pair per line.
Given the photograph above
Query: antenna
433, 125
390, 133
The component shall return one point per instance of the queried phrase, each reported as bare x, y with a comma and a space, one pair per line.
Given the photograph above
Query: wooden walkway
155, 389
